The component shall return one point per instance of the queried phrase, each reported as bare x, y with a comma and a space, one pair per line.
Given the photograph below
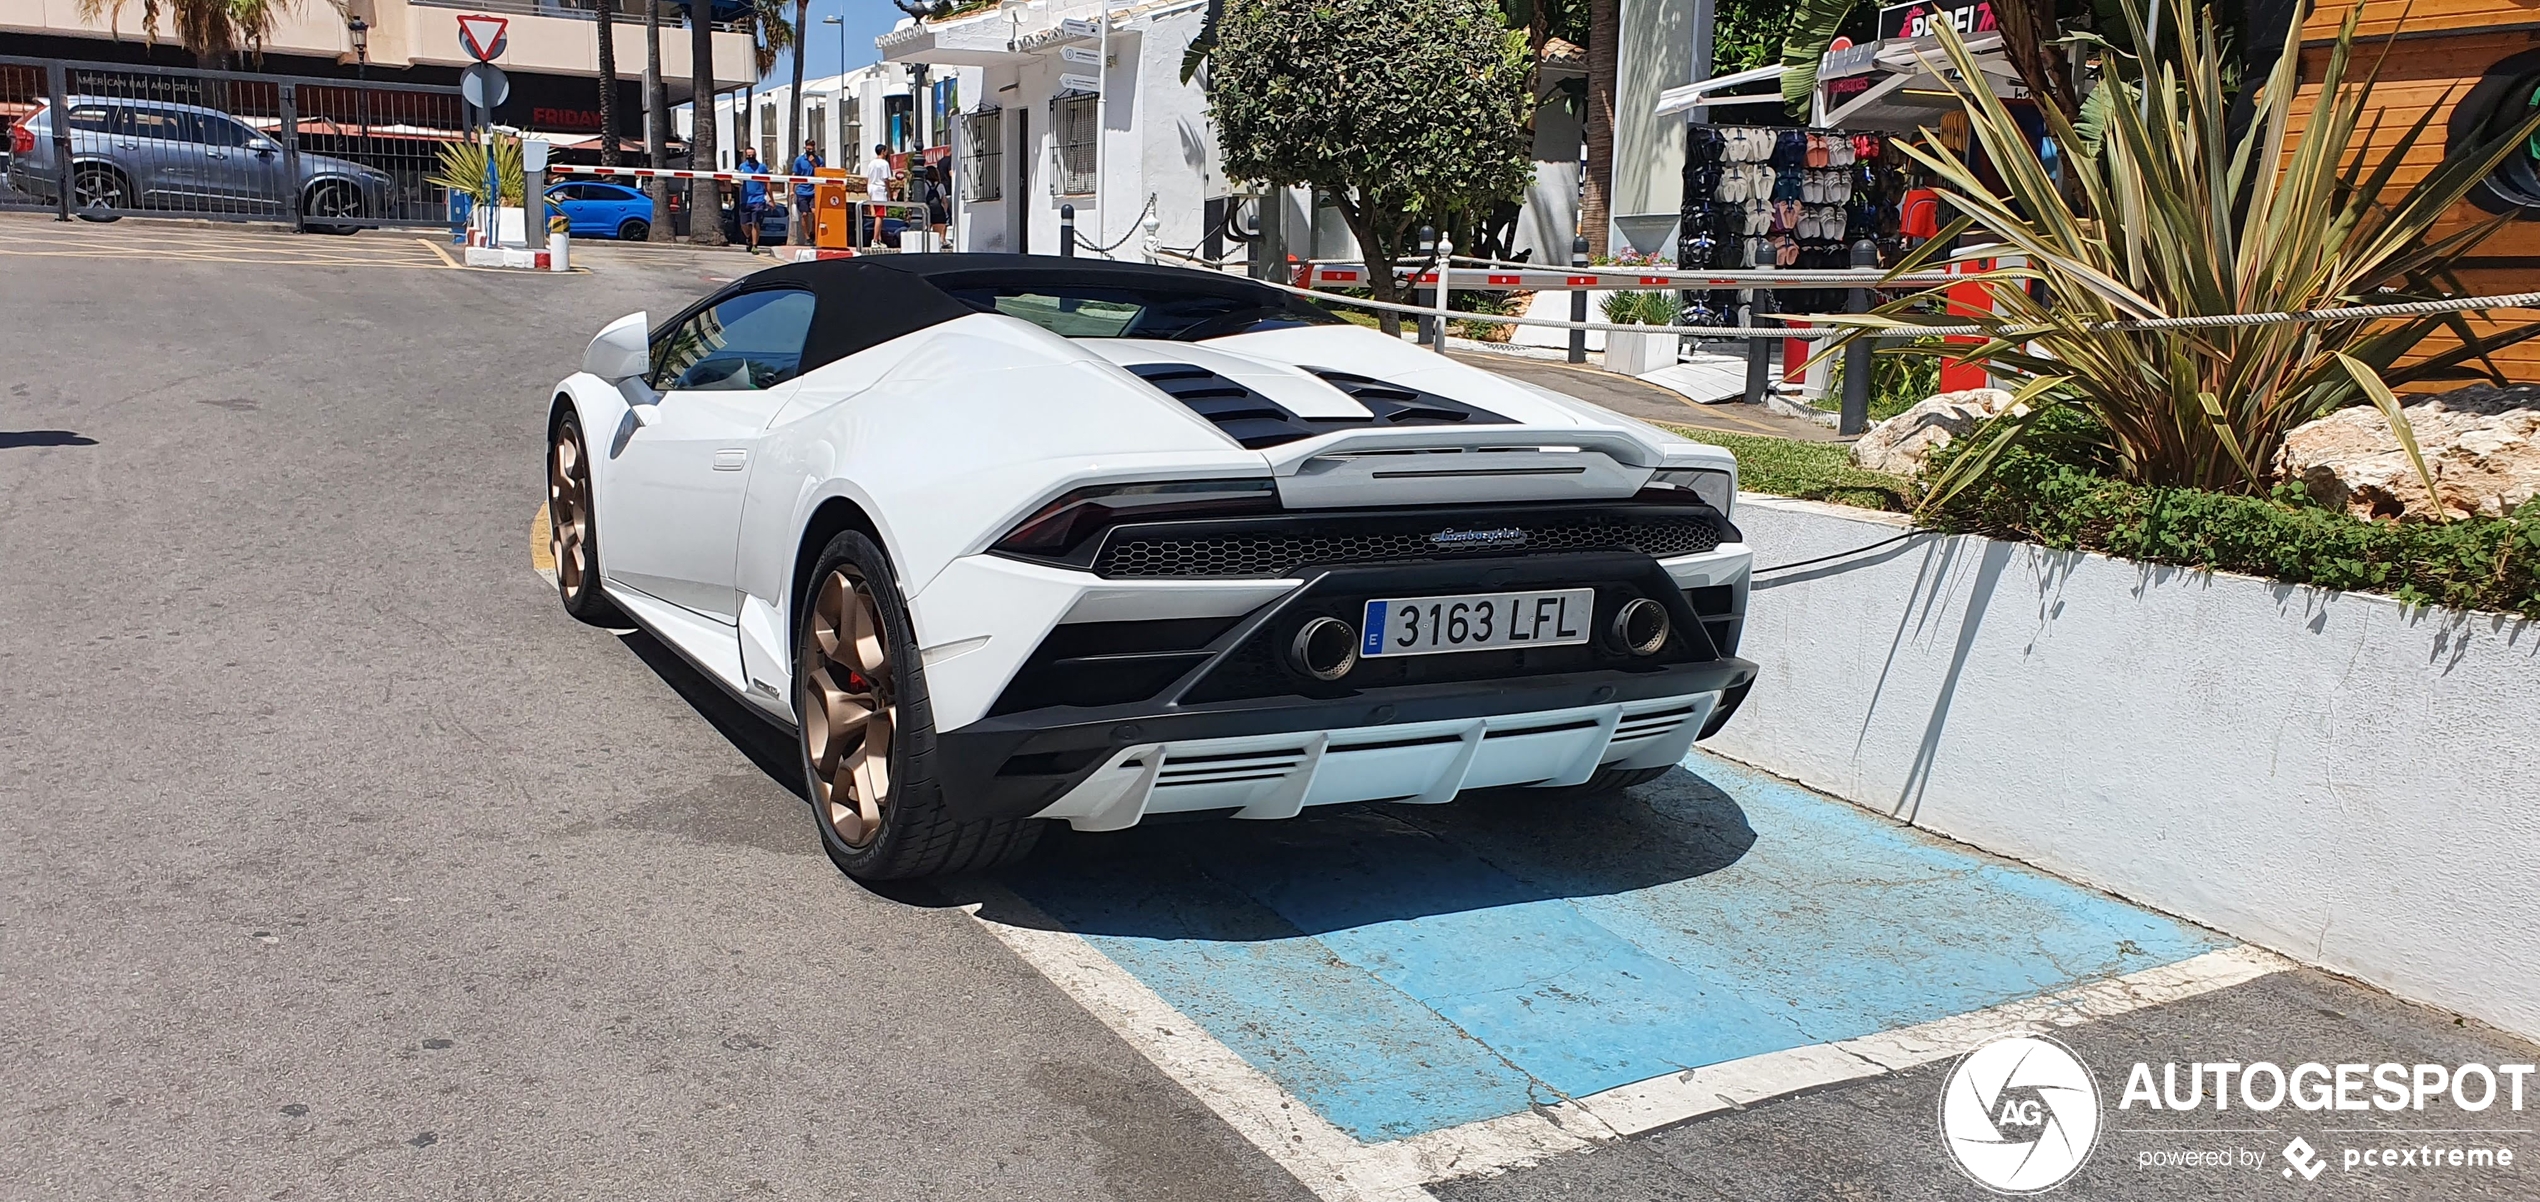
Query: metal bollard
1446, 264
1856, 357
1421, 297
1578, 301
54, 73
1067, 231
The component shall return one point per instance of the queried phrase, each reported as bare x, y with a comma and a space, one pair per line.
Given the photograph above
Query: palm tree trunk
1596, 202
656, 130
705, 208
794, 99
608, 83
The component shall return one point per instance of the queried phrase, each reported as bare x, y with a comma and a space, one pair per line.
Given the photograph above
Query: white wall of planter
2333, 776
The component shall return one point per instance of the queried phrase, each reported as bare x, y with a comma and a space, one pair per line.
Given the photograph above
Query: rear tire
858, 682
330, 199
635, 229
96, 189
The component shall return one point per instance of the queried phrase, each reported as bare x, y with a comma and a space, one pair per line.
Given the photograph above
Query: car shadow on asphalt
1223, 878
768, 746
1344, 867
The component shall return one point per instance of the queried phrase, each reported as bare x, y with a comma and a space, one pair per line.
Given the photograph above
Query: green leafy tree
212, 30
1391, 109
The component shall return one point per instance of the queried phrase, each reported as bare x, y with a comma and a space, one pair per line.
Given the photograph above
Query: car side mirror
622, 351
262, 145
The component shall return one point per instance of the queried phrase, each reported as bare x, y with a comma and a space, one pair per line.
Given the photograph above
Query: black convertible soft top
870, 300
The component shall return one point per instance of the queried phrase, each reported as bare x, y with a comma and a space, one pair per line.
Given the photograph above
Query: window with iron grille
1072, 118
816, 125
767, 134
983, 168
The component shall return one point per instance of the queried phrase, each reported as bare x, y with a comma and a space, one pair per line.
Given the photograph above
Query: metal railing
103, 141
1745, 296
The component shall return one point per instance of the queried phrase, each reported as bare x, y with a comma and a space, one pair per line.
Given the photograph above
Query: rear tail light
1064, 524
1715, 488
21, 140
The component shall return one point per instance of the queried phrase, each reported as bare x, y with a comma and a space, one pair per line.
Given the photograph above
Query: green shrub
1635, 308
2476, 563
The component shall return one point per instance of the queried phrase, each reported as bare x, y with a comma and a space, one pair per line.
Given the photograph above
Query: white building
846, 114
1067, 112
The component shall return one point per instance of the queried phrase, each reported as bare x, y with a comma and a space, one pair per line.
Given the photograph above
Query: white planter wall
1639, 354
2331, 776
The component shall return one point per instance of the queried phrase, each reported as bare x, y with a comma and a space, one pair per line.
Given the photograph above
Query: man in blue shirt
809, 161
753, 196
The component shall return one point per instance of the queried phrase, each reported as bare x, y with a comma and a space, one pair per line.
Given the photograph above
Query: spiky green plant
463, 169
2194, 222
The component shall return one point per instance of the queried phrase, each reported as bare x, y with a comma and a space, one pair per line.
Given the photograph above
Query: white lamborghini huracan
1011, 540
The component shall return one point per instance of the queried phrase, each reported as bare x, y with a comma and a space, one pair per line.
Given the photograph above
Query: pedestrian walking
753, 197
806, 163
938, 201
877, 185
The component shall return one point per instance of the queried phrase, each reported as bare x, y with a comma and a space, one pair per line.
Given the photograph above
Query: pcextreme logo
2020, 1114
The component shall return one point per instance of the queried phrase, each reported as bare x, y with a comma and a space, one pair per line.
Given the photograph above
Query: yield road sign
483, 37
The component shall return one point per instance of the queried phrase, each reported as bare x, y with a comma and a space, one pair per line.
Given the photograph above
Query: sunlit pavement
338, 862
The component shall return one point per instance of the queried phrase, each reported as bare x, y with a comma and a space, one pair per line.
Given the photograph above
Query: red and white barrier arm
1353, 275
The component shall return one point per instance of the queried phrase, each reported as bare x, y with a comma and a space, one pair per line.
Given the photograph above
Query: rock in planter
1900, 444
2482, 444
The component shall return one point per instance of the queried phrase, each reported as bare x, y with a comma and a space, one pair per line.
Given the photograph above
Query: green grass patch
1814, 471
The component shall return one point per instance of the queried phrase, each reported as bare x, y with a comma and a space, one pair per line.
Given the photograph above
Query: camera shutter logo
2020, 1114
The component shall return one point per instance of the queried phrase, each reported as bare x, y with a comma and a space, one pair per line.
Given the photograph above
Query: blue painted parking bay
1405, 969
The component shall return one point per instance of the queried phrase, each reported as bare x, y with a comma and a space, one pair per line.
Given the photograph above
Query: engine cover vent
1255, 421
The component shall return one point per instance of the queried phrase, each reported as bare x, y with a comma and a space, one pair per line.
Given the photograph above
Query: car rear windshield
1088, 311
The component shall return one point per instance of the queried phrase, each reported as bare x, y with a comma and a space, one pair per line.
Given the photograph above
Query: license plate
1480, 622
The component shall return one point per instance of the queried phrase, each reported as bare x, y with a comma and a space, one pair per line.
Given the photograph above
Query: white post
1151, 224
1446, 258
1102, 117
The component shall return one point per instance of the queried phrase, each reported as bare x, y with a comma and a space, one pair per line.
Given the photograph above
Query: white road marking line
1325, 1158
1338, 1168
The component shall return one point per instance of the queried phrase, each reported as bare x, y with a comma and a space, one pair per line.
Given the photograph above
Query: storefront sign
1922, 18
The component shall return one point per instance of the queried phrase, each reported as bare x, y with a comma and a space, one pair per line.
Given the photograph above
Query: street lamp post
838, 106
359, 29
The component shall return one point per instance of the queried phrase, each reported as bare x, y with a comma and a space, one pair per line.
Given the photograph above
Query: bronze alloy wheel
569, 513
849, 708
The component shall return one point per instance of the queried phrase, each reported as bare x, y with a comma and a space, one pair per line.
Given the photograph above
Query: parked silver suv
151, 154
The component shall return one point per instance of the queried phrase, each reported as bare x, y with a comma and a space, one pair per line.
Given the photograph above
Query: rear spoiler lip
1621, 446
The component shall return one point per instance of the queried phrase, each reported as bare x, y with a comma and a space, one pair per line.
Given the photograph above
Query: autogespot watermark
2023, 1113
2020, 1114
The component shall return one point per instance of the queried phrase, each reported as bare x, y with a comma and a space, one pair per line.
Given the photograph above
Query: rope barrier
2511, 300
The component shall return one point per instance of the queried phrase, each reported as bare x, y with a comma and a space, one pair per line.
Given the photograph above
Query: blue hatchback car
604, 210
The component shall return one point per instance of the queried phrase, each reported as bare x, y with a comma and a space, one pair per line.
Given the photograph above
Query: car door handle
730, 459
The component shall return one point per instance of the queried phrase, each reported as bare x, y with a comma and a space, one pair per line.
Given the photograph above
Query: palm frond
2299, 210
1812, 30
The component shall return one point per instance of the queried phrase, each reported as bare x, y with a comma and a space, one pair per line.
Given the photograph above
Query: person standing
877, 186
806, 163
938, 201
753, 196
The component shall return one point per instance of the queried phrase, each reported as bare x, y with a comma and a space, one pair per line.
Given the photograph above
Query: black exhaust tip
1324, 648
1641, 626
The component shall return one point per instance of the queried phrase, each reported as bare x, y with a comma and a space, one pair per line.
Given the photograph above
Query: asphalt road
339, 864
335, 862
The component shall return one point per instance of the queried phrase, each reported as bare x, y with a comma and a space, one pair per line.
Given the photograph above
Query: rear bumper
1269, 758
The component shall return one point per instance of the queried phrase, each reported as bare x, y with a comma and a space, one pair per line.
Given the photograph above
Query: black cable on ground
1784, 567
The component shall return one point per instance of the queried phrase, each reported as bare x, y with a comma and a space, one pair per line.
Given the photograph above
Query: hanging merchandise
1765, 197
